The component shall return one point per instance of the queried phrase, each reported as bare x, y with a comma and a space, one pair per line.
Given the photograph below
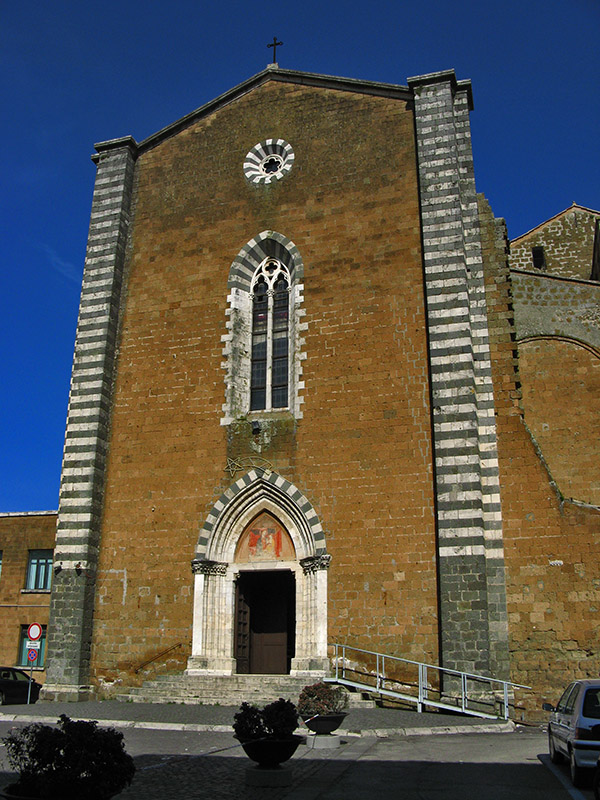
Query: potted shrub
323, 707
72, 760
267, 734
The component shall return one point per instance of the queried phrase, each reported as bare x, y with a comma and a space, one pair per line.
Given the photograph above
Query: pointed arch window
269, 382
264, 344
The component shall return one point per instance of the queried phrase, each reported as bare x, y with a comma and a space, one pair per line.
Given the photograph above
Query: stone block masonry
405, 418
567, 240
88, 424
359, 451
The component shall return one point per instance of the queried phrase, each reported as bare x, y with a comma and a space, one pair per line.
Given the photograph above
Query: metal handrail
422, 698
155, 658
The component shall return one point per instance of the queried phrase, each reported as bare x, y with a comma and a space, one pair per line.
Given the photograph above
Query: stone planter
324, 724
270, 753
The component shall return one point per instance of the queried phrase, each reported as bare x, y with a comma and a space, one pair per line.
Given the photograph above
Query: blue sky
78, 73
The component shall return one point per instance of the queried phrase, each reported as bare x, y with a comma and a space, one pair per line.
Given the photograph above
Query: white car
574, 728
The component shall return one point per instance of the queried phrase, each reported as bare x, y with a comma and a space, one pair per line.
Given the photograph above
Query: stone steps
226, 690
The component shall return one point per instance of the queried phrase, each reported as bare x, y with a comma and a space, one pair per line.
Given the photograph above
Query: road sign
32, 655
33, 645
34, 631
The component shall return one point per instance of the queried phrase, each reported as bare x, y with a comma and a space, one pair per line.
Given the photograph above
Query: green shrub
73, 760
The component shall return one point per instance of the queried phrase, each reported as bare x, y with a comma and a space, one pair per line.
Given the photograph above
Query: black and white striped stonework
268, 161
469, 519
260, 485
86, 439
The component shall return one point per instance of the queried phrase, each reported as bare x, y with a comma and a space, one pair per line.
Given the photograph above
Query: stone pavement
385, 753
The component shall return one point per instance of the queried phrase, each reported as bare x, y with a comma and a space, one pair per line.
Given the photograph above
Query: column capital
206, 567
315, 563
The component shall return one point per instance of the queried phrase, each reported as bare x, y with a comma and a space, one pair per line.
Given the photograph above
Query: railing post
505, 700
463, 683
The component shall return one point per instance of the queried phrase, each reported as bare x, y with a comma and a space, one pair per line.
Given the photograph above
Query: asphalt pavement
189, 751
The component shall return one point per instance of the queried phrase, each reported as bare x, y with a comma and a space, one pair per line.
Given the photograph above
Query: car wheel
555, 756
597, 783
577, 773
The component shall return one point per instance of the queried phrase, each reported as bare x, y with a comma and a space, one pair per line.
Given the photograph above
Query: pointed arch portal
260, 582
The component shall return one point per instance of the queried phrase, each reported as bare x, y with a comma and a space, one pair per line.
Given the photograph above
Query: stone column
212, 642
311, 633
88, 418
473, 617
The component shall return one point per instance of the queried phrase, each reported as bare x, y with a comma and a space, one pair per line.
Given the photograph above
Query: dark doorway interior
265, 622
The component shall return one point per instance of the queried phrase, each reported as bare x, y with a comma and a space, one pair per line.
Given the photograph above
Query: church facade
295, 414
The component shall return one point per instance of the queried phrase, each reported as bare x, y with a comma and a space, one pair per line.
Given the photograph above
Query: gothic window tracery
270, 337
263, 346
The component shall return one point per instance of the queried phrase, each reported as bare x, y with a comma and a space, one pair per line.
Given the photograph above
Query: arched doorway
265, 621
260, 585
265, 599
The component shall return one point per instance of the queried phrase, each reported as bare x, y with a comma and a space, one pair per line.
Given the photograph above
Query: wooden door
268, 632
242, 630
265, 622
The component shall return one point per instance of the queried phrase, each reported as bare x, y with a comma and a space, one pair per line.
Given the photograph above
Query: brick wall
561, 386
20, 533
362, 451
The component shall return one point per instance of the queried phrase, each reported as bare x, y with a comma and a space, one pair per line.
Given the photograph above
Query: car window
5, 675
591, 703
20, 676
572, 699
565, 696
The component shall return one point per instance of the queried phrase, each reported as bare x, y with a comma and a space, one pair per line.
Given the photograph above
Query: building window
39, 571
268, 161
270, 337
23, 660
263, 347
539, 257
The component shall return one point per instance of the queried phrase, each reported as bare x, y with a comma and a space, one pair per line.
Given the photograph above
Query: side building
26, 570
555, 273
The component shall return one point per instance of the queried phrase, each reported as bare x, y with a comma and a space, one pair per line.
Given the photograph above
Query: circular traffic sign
32, 655
34, 632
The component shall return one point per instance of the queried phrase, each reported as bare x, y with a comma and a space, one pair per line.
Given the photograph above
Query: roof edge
4, 514
555, 216
550, 276
272, 72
